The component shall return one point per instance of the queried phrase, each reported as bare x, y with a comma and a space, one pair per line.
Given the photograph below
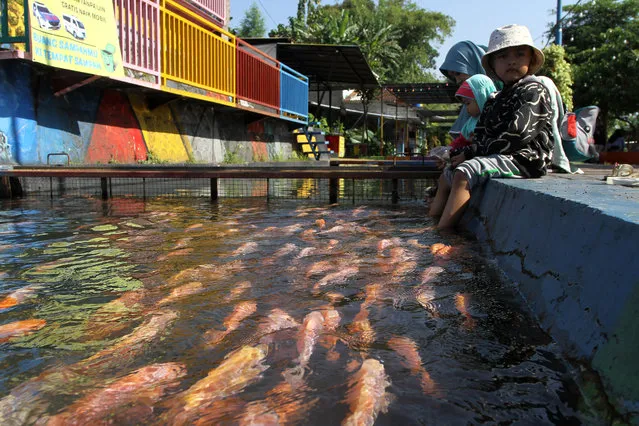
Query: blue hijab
464, 57
482, 86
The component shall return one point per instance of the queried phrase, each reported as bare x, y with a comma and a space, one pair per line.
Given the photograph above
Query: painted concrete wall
99, 126
571, 245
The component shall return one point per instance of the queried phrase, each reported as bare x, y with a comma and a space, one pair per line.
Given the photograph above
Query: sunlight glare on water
248, 312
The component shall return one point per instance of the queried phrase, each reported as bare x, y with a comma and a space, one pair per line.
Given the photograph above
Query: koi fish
178, 252
282, 406
441, 250
194, 227
461, 302
334, 296
387, 243
208, 272
20, 328
276, 320
182, 291
238, 370
115, 315
129, 347
332, 319
245, 248
413, 242
321, 223
367, 395
308, 234
144, 386
430, 273
238, 290
307, 338
338, 277
182, 243
362, 333
18, 296
407, 349
319, 268
305, 252
242, 311
283, 251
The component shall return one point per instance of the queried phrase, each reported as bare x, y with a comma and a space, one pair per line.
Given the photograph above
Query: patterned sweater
517, 122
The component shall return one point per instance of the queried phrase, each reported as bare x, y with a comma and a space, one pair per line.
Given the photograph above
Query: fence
14, 30
138, 24
294, 95
258, 81
198, 57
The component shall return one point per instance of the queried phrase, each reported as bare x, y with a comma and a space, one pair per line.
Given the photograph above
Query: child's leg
457, 202
443, 189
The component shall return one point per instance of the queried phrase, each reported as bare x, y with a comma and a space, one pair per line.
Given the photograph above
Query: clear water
179, 270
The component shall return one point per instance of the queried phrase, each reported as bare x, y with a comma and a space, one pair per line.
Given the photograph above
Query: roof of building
416, 94
330, 65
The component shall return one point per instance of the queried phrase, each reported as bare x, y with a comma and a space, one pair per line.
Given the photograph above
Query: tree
396, 36
559, 70
601, 39
252, 25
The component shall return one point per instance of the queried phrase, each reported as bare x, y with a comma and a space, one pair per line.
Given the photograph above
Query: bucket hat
510, 36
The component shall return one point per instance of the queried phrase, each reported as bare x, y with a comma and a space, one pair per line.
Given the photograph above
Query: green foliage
395, 36
558, 69
152, 158
601, 39
232, 156
252, 25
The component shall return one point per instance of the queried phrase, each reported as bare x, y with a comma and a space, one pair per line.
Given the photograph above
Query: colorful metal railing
138, 23
293, 95
169, 46
258, 81
198, 58
14, 21
216, 8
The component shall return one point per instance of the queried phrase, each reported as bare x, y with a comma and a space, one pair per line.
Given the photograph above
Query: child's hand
455, 160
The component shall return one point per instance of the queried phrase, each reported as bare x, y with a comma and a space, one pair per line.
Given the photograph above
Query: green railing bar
4, 23
4, 19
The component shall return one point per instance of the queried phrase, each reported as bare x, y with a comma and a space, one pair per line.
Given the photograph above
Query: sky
474, 19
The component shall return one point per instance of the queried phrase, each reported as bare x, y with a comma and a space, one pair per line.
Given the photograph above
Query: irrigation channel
152, 310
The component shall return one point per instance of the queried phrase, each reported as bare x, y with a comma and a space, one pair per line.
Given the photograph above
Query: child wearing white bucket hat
514, 136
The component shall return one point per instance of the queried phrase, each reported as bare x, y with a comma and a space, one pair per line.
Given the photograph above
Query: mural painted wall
99, 126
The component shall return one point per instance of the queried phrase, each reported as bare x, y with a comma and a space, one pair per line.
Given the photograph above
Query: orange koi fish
245, 248
18, 296
129, 347
367, 395
430, 273
182, 291
309, 333
242, 311
338, 277
20, 328
115, 315
238, 290
238, 370
461, 302
143, 387
407, 349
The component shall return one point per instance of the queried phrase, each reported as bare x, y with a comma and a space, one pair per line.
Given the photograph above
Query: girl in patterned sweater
513, 137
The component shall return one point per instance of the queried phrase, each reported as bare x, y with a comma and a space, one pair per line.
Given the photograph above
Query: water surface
183, 286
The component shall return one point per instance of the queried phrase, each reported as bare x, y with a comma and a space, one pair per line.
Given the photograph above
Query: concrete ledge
571, 245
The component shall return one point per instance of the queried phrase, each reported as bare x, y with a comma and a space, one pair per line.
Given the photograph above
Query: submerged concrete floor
571, 245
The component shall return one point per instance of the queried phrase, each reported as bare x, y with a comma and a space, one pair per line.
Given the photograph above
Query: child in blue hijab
473, 93
462, 61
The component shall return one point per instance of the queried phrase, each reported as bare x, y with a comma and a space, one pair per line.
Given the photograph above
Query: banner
78, 35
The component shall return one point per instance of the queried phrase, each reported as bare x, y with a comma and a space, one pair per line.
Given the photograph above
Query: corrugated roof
415, 94
335, 66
